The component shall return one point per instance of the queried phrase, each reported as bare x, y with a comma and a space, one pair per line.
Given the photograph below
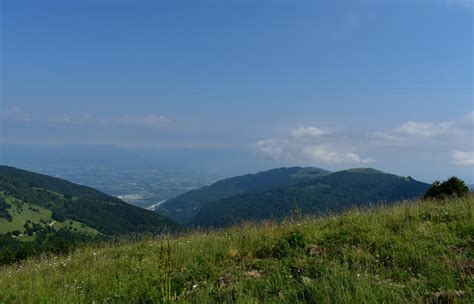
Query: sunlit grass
23, 212
408, 253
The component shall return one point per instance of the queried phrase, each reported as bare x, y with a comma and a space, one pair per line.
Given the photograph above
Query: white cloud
308, 132
424, 129
325, 154
152, 120
311, 145
463, 158
271, 148
442, 142
16, 114
418, 132
466, 4
71, 119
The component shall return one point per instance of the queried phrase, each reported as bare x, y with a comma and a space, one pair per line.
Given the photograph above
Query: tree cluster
453, 187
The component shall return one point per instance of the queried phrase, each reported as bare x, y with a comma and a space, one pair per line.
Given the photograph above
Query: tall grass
412, 252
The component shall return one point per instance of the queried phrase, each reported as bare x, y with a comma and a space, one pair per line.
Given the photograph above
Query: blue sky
334, 84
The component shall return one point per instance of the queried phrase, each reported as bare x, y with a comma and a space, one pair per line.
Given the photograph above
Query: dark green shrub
453, 187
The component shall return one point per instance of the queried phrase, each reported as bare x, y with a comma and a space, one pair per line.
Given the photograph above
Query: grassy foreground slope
406, 253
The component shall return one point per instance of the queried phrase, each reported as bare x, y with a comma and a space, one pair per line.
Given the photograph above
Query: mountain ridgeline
185, 206
31, 199
277, 193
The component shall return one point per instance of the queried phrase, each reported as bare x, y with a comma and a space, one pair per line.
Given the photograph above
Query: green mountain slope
31, 202
417, 252
183, 207
331, 192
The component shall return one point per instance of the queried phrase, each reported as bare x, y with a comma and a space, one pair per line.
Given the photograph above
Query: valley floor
412, 252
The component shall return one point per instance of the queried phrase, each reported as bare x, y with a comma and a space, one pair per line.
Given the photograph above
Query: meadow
410, 252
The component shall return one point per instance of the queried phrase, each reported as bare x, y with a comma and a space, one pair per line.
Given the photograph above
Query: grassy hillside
25, 213
406, 253
183, 207
331, 192
46, 200
40, 214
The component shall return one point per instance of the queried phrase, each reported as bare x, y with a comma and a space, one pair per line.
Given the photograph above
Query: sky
331, 84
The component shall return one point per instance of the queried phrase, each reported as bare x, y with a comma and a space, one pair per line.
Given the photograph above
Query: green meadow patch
413, 252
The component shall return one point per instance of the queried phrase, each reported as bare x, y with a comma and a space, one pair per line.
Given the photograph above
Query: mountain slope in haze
183, 207
331, 192
31, 201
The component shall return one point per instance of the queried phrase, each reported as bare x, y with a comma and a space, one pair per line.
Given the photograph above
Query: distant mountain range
30, 200
35, 202
275, 194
